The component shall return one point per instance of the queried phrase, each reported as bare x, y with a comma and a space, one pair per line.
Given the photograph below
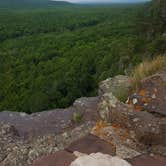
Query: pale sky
106, 1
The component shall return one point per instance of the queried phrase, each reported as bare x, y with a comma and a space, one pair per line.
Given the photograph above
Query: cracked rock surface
143, 114
24, 138
91, 125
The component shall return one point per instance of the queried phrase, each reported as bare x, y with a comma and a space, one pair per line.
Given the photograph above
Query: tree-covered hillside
151, 25
30, 3
50, 57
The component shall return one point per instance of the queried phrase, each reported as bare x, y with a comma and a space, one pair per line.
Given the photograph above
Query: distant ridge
114, 2
31, 3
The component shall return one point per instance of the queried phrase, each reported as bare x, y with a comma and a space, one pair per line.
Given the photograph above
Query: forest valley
52, 54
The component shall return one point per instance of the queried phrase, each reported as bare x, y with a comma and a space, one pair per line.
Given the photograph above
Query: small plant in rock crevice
77, 117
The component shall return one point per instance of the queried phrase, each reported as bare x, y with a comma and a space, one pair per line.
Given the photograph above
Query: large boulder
24, 137
111, 91
39, 124
122, 139
108, 100
149, 129
149, 125
151, 95
51, 121
119, 86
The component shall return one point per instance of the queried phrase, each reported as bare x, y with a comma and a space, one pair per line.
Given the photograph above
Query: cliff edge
133, 130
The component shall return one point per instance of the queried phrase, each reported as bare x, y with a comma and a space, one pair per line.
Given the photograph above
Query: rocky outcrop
50, 122
24, 138
148, 125
111, 91
38, 124
103, 124
119, 86
123, 140
18, 152
151, 96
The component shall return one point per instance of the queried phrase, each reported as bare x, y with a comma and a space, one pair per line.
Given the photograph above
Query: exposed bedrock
52, 121
24, 138
144, 113
127, 129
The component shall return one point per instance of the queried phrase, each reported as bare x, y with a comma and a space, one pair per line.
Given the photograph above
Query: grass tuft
147, 68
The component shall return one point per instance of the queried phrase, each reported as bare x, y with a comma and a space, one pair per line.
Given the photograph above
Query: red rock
52, 121
151, 94
146, 160
61, 158
91, 144
38, 124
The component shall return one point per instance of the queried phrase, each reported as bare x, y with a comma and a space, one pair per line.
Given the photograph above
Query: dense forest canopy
31, 3
151, 25
51, 56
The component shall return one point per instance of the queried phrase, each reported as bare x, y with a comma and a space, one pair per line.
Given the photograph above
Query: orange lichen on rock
122, 132
139, 100
138, 108
124, 135
99, 126
142, 92
144, 100
129, 102
116, 126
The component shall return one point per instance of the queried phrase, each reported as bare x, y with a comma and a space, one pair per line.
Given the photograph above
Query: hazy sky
104, 1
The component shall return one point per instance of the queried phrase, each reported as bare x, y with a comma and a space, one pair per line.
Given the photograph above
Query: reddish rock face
92, 144
62, 158
145, 114
39, 124
29, 137
151, 96
53, 121
148, 161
